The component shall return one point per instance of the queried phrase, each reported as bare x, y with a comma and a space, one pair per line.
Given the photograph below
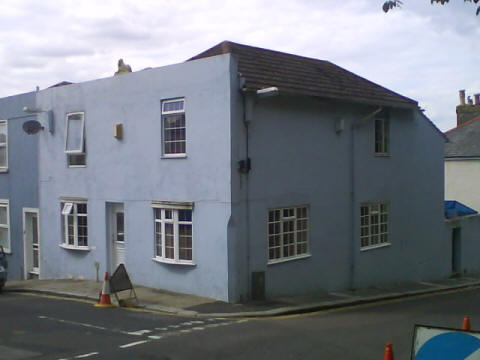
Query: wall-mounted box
118, 131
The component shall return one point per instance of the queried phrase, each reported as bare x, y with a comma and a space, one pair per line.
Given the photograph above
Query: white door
31, 241
117, 236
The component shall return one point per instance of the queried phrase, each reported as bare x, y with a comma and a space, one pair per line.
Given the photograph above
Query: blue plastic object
454, 209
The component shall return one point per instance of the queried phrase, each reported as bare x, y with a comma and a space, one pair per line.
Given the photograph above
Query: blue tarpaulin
454, 208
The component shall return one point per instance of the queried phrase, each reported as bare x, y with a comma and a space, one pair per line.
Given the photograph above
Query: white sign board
435, 343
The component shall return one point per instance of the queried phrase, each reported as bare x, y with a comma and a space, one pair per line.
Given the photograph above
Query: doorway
456, 251
31, 241
116, 235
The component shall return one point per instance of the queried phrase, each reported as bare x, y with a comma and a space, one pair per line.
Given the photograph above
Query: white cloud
422, 51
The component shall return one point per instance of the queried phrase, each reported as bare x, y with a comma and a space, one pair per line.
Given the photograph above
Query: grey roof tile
464, 140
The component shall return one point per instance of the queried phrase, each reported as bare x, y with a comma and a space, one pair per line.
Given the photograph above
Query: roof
63, 83
464, 140
298, 75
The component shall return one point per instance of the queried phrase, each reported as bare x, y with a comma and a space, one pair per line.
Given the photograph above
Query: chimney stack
462, 97
468, 109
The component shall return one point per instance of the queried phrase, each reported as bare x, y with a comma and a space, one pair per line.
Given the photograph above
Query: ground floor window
173, 234
4, 225
373, 224
74, 224
287, 233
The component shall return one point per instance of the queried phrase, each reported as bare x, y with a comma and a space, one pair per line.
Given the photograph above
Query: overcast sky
426, 52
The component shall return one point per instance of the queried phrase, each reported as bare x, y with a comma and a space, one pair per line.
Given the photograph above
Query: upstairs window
382, 135
75, 139
3, 145
173, 127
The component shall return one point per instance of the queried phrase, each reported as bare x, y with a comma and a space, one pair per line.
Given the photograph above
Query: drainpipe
244, 168
249, 96
354, 244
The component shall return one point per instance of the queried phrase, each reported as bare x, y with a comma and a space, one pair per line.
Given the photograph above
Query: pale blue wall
131, 171
298, 158
19, 184
469, 242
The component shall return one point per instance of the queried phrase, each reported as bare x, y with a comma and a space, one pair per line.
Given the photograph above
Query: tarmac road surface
45, 327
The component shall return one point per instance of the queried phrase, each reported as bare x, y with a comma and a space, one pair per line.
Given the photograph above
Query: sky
422, 51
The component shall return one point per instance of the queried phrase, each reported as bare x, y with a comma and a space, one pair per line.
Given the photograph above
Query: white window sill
76, 166
293, 258
173, 262
382, 154
371, 247
76, 248
3, 170
7, 251
174, 156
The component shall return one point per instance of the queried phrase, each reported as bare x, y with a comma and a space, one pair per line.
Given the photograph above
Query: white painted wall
462, 182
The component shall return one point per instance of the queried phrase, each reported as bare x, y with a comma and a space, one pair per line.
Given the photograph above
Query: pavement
190, 305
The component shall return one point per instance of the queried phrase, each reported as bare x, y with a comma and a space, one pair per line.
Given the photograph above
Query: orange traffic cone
388, 352
466, 323
104, 300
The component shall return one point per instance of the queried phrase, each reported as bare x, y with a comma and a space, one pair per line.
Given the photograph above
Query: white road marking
340, 294
162, 329
185, 331
198, 328
155, 337
212, 325
139, 332
430, 284
86, 355
133, 344
73, 323
187, 323
174, 326
197, 322
474, 356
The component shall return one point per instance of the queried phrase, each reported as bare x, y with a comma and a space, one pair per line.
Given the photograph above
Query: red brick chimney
467, 110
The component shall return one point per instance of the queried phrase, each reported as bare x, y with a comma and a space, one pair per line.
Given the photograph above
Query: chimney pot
477, 99
462, 97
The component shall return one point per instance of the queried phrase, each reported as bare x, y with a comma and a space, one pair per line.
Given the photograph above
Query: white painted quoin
228, 193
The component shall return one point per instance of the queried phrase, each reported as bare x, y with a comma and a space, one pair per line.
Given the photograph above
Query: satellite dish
32, 127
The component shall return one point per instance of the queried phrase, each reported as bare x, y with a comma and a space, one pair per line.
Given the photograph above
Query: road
38, 327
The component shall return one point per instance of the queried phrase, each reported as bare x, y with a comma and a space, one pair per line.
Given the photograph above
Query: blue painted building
18, 187
241, 173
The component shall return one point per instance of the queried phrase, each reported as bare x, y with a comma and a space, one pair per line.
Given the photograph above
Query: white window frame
174, 208
80, 151
382, 135
165, 114
374, 225
280, 233
70, 208
5, 145
6, 204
